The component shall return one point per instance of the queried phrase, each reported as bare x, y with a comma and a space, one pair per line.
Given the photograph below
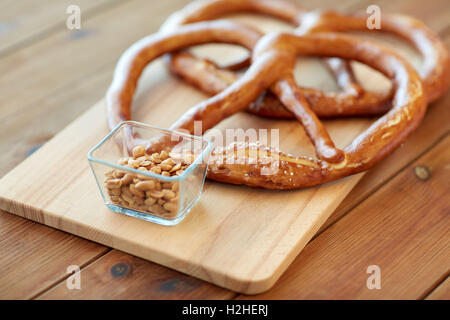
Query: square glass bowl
144, 194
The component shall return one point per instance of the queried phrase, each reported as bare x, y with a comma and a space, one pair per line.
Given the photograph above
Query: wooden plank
25, 21
402, 228
38, 124
93, 85
317, 203
441, 292
24, 132
54, 254
119, 275
56, 63
432, 128
435, 14
35, 257
279, 226
38, 120
64, 102
60, 93
49, 104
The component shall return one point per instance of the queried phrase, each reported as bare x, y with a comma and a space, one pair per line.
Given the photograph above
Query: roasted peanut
143, 193
138, 200
176, 167
164, 155
166, 185
156, 170
156, 194
142, 177
127, 198
115, 192
156, 158
127, 179
135, 191
150, 201
156, 208
138, 151
169, 161
146, 185
114, 198
165, 167
113, 184
168, 194
171, 207
133, 163
146, 163
119, 174
126, 190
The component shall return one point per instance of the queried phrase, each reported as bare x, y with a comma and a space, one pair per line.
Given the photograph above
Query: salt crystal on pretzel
272, 68
353, 100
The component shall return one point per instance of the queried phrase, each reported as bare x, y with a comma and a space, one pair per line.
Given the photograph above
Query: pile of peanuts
143, 193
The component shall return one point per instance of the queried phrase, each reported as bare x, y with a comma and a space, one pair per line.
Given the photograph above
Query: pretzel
353, 100
202, 10
134, 60
273, 59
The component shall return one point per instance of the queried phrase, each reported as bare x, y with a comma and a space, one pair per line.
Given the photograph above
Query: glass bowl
150, 187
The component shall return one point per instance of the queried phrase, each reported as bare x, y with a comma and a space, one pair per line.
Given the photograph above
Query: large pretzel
211, 79
273, 60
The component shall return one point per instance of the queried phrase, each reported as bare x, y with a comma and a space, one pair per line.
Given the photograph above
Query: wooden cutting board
236, 237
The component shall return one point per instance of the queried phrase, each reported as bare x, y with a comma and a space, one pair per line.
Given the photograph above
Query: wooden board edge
262, 283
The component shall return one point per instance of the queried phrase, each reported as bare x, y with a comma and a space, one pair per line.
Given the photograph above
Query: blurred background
50, 74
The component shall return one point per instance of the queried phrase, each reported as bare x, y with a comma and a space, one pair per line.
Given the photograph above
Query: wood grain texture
333, 128
119, 275
37, 125
435, 13
27, 21
26, 130
406, 238
434, 126
35, 257
63, 67
431, 129
70, 76
267, 229
441, 292
66, 105
279, 225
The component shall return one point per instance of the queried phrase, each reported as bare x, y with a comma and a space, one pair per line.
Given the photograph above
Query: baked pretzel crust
353, 100
273, 58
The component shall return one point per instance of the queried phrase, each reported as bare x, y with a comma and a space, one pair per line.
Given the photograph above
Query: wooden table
397, 217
